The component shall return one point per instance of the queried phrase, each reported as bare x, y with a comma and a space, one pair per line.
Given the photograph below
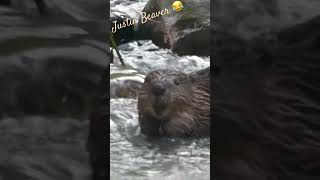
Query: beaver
175, 104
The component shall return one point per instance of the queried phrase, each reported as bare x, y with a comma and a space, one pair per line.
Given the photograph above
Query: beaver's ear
147, 79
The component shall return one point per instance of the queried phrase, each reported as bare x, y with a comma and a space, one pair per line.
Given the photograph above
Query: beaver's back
201, 100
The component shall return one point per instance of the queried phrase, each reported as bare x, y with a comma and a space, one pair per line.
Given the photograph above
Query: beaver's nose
158, 89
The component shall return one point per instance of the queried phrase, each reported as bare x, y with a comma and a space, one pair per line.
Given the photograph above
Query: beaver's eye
176, 82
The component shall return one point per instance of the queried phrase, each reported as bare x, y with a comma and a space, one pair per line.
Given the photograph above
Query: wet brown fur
187, 105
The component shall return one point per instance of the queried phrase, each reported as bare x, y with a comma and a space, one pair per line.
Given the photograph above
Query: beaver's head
165, 94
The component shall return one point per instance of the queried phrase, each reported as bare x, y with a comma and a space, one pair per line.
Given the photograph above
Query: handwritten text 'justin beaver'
144, 18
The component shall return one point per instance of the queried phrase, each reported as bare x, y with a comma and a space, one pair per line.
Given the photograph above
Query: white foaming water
130, 8
147, 57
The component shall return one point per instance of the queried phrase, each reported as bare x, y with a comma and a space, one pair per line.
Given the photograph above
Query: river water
50, 71
133, 155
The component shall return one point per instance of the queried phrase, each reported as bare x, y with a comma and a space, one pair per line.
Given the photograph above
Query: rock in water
185, 32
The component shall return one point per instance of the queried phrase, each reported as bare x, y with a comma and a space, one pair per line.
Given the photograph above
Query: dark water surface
50, 80
39, 147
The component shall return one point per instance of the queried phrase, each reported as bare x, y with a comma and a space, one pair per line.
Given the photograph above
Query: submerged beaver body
175, 104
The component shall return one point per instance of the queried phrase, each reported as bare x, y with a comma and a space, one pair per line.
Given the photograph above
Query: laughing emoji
177, 6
